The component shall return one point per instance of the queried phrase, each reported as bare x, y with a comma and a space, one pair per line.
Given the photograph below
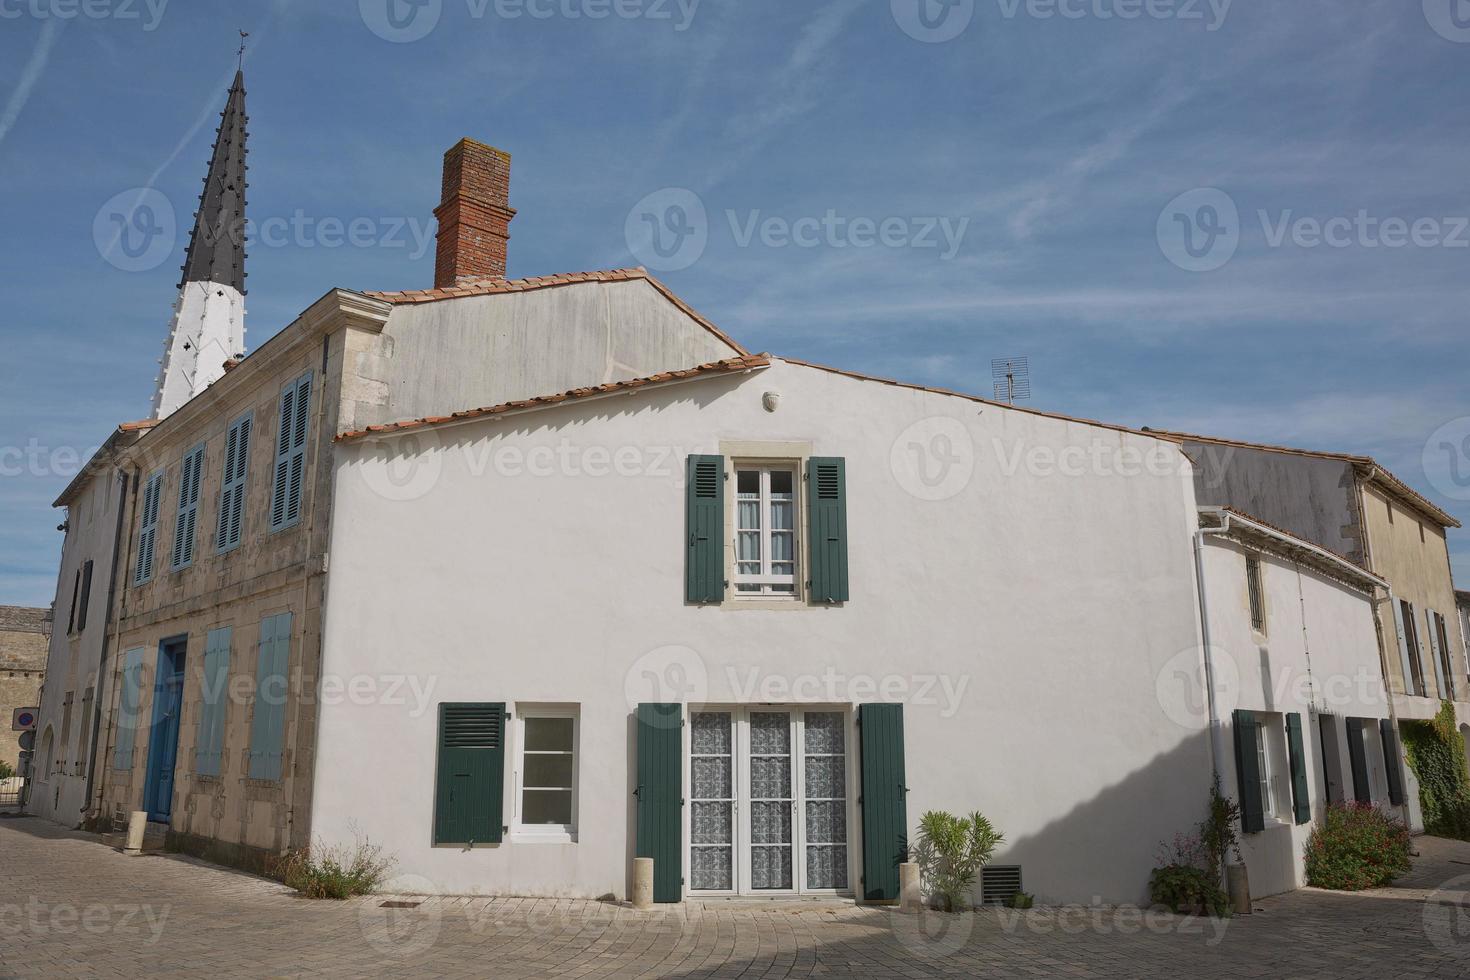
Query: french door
769, 805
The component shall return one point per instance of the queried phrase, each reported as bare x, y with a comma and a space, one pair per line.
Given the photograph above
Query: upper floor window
86, 596
186, 522
290, 461
1257, 598
765, 530
232, 487
148, 533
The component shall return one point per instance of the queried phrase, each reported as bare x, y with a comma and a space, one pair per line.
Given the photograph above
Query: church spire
208, 326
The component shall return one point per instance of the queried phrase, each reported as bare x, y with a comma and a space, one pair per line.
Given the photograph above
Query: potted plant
950, 851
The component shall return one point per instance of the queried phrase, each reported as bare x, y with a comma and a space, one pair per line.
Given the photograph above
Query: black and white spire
209, 318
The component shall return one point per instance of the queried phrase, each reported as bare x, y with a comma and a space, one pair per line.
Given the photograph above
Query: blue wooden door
163, 743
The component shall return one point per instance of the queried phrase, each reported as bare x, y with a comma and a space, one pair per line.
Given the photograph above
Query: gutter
107, 625
1217, 735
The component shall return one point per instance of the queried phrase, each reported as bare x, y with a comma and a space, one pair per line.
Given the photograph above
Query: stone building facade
24, 633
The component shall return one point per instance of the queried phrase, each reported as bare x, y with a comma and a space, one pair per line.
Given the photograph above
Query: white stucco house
1299, 688
752, 620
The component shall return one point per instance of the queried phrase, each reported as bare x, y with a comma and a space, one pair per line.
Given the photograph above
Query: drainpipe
1217, 735
122, 479
129, 504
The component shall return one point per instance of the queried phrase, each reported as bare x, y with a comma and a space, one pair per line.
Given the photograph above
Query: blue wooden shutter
232, 487
130, 689
210, 742
1440, 680
884, 799
704, 565
1391, 762
1358, 757
827, 529
469, 783
1248, 774
1302, 802
290, 464
660, 795
148, 535
186, 519
269, 720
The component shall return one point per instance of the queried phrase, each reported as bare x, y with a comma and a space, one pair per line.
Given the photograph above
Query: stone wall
23, 639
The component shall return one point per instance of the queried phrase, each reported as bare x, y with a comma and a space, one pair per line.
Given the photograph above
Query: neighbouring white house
753, 620
1299, 688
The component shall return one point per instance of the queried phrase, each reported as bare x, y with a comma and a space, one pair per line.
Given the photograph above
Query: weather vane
243, 36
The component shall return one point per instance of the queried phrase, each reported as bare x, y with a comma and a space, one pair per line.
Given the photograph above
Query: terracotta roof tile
745, 362
492, 287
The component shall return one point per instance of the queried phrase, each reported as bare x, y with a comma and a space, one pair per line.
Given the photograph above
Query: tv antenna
1012, 376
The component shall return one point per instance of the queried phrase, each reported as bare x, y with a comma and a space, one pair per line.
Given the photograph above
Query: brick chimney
474, 214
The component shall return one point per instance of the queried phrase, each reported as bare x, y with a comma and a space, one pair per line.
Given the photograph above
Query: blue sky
1052, 140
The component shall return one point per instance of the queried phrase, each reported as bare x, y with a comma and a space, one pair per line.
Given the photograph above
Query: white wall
72, 662
1054, 604
1319, 653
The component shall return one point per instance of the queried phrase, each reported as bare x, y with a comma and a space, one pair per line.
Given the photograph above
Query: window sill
764, 602
527, 835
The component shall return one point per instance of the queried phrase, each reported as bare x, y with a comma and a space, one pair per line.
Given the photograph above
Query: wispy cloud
50, 30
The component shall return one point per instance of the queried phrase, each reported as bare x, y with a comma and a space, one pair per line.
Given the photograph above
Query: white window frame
1265, 769
771, 586
741, 837
544, 832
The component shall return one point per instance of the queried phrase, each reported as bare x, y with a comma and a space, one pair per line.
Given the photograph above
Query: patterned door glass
771, 800
824, 768
712, 819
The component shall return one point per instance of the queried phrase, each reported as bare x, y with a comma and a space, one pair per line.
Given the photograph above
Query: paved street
71, 906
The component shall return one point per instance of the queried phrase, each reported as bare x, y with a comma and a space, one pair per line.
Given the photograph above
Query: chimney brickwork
474, 215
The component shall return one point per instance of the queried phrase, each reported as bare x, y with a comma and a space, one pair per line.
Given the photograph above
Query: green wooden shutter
1391, 764
232, 486
268, 722
1362, 789
86, 597
1248, 774
148, 533
1302, 802
130, 691
660, 794
186, 518
704, 565
884, 799
469, 782
827, 528
210, 741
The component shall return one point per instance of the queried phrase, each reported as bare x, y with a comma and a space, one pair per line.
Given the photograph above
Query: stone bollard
643, 883
1240, 888
910, 900
137, 826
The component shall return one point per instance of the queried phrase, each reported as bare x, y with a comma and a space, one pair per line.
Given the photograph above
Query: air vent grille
472, 726
999, 884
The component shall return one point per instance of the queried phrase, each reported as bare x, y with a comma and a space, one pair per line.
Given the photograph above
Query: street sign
28, 741
24, 719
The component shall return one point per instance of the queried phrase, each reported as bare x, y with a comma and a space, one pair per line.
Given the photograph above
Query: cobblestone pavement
72, 906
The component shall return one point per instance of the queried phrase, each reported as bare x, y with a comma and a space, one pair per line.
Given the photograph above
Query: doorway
770, 807
163, 745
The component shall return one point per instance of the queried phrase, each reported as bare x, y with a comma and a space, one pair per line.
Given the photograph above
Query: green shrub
950, 851
1436, 753
7, 771
1021, 900
335, 872
1356, 846
1189, 890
